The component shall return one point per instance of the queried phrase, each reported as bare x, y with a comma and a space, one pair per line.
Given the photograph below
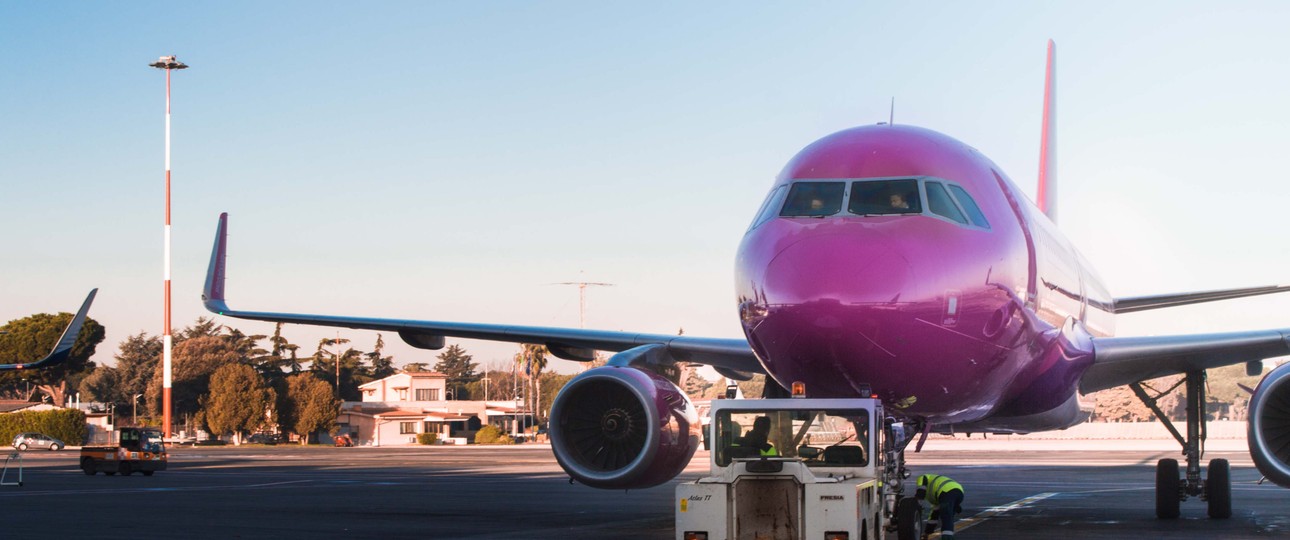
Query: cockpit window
885, 197
968, 204
770, 207
938, 200
813, 199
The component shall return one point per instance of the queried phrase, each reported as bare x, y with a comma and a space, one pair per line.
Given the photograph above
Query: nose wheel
1171, 488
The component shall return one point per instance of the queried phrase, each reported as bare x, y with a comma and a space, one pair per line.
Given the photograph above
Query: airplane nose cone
850, 269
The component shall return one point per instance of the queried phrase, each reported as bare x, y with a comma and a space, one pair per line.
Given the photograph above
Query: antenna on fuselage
891, 116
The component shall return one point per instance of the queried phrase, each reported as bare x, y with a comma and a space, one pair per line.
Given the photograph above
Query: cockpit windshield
820, 438
814, 199
874, 197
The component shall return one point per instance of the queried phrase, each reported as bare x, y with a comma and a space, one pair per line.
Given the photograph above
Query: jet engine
1269, 426
622, 427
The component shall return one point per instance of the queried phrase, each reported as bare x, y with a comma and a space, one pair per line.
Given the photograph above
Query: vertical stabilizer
1048, 139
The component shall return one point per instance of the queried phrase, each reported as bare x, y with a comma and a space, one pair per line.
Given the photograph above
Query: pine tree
457, 365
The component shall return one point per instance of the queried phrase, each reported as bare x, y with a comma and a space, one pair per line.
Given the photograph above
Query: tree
101, 385
457, 365
193, 362
532, 358
308, 406
239, 401
137, 359
282, 357
31, 338
203, 327
552, 384
380, 366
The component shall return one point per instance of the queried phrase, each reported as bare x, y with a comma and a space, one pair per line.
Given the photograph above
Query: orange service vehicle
137, 449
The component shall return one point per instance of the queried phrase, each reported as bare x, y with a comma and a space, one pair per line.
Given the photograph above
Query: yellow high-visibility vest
936, 485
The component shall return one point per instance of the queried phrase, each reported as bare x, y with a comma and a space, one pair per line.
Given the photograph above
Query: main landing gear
1171, 489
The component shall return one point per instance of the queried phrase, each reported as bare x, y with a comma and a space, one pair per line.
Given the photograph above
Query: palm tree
533, 358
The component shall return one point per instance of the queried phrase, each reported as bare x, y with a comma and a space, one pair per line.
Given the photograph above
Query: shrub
492, 435
427, 438
67, 425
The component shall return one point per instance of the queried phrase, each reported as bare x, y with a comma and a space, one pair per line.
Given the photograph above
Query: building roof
401, 413
11, 405
414, 375
445, 417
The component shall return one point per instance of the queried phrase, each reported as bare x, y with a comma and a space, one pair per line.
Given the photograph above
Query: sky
453, 161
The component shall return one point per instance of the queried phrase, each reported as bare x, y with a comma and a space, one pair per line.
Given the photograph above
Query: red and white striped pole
167, 63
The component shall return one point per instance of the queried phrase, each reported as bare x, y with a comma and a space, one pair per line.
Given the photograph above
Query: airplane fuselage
968, 308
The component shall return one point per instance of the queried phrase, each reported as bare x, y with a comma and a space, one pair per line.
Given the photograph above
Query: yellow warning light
799, 389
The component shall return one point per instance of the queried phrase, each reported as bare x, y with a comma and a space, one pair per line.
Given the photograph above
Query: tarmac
1015, 489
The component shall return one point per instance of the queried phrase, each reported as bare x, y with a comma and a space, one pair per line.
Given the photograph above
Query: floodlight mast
168, 63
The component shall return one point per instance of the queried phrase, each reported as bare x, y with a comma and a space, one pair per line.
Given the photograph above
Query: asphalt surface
520, 492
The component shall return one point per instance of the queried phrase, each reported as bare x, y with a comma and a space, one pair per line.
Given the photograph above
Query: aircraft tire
1168, 502
1218, 489
909, 519
87, 466
124, 469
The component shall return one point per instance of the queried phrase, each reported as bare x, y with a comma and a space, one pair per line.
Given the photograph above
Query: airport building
398, 408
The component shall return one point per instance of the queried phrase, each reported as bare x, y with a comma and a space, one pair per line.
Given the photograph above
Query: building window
407, 427
433, 427
427, 394
403, 394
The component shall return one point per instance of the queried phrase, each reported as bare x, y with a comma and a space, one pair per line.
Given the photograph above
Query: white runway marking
153, 489
994, 511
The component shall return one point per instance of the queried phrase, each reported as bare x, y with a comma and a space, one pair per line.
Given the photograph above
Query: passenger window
770, 207
885, 197
813, 199
938, 200
968, 204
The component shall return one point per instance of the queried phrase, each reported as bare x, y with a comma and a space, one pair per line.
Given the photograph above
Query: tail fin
1048, 140
213, 292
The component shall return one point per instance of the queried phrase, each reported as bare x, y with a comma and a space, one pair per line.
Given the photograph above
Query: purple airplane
899, 263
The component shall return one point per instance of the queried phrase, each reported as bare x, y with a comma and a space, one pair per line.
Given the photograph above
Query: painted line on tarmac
994, 511
153, 489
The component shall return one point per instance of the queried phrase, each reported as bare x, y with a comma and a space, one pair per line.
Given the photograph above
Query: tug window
885, 197
813, 199
968, 204
938, 200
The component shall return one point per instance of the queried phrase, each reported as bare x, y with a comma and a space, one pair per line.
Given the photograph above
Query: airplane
63, 347
895, 262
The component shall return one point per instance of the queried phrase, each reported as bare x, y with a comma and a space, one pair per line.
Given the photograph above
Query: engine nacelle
1269, 426
623, 427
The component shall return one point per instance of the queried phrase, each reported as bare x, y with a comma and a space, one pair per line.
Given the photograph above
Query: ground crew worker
945, 496
757, 438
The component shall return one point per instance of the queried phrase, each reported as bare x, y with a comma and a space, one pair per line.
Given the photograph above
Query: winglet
1047, 193
63, 348
213, 292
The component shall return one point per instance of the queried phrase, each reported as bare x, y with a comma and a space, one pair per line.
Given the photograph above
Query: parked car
182, 440
24, 441
264, 438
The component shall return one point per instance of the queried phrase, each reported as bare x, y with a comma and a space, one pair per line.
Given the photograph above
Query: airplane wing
731, 357
1124, 360
1142, 303
63, 347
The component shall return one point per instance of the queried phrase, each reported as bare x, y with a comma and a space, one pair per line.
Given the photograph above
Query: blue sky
449, 161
